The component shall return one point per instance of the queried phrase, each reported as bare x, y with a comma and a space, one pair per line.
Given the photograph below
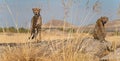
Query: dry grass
115, 40
23, 37
31, 53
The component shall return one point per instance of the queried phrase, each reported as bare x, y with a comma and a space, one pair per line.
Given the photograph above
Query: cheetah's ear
39, 9
101, 17
33, 9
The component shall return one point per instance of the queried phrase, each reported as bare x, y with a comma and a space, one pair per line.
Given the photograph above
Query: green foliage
23, 30
70, 30
61, 29
14, 30
117, 33
1, 30
11, 29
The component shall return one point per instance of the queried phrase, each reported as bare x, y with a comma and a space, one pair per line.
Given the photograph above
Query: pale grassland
23, 37
114, 40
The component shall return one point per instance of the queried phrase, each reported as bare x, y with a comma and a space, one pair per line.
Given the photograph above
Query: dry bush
24, 53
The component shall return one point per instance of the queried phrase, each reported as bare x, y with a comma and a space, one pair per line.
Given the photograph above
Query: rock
95, 47
113, 56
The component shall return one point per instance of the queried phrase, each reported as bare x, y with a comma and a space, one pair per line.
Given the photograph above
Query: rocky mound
57, 23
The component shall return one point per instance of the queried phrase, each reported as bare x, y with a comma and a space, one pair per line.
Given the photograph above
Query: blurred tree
11, 29
1, 29
23, 30
14, 30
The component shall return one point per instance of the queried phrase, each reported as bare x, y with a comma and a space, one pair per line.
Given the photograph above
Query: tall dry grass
31, 53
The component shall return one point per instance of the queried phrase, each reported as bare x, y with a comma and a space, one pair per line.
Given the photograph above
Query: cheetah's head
104, 19
36, 11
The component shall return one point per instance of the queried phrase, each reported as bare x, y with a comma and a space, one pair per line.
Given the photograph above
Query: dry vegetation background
23, 37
